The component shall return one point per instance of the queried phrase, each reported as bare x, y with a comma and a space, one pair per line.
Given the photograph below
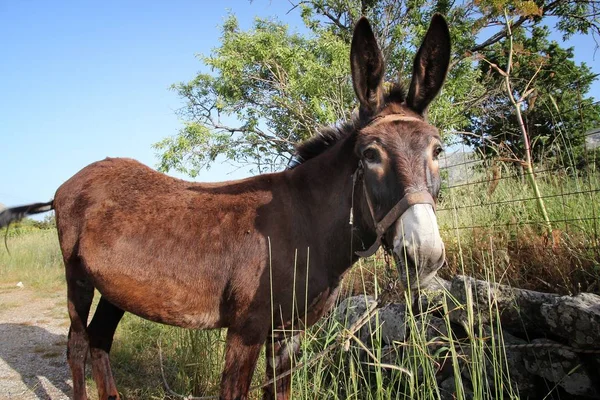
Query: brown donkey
206, 256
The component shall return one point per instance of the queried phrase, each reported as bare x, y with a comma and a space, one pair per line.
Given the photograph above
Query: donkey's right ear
430, 65
367, 67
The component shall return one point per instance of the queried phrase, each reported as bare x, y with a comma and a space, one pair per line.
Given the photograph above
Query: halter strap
381, 227
392, 117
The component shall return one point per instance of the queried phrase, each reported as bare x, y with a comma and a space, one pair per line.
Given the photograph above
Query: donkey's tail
9, 215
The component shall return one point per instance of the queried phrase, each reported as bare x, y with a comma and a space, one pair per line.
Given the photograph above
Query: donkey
228, 255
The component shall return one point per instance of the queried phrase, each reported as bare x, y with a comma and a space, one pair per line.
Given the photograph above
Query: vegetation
552, 94
494, 242
29, 225
503, 226
34, 258
270, 88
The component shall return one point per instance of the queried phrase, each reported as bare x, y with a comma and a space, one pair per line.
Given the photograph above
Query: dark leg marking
80, 293
101, 332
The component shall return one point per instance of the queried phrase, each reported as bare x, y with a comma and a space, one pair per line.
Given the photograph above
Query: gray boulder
576, 319
535, 364
560, 366
350, 310
519, 309
448, 390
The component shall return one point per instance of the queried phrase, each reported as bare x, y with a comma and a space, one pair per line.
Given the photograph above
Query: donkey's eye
437, 151
371, 155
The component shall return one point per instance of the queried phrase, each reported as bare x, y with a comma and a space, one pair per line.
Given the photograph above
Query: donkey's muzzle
418, 248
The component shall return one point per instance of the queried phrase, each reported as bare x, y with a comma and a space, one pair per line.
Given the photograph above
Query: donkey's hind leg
101, 332
80, 293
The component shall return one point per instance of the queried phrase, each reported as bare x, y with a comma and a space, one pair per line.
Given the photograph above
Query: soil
33, 343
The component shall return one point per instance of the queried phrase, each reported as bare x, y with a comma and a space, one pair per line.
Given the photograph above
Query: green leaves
269, 88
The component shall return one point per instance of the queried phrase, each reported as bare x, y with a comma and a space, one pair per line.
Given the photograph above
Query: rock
529, 313
534, 371
438, 285
350, 310
435, 295
390, 354
388, 324
575, 319
429, 333
561, 366
435, 328
393, 323
511, 361
522, 380
448, 390
519, 309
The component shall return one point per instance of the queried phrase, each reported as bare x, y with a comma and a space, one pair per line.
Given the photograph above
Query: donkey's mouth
415, 277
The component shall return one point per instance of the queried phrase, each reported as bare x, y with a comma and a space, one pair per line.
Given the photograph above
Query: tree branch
547, 10
498, 36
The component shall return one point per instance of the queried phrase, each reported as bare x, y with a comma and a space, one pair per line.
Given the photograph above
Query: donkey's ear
367, 67
430, 65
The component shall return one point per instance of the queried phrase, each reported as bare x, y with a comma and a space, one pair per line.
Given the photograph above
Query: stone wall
545, 336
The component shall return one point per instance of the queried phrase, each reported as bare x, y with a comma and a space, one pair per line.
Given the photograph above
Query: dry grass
479, 228
529, 261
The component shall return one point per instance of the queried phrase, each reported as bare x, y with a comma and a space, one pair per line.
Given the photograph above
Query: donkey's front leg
280, 359
242, 350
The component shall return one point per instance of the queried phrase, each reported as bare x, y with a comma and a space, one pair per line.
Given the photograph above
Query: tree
273, 87
555, 109
270, 88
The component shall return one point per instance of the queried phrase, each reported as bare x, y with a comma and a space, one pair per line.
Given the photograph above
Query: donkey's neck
324, 189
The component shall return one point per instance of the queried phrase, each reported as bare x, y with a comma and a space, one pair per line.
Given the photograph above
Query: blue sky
81, 81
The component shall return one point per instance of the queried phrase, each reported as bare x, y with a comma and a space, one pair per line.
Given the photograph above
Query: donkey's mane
328, 136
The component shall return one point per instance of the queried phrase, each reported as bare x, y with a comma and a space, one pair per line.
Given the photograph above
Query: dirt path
33, 337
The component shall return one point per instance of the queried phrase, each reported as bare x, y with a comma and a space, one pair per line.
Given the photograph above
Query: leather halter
409, 200
392, 117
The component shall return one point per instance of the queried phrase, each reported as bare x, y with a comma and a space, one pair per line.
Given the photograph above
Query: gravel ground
33, 337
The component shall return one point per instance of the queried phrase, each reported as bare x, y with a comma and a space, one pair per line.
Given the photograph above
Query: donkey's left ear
430, 65
367, 67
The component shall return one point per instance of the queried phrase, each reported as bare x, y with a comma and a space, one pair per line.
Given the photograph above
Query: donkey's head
398, 168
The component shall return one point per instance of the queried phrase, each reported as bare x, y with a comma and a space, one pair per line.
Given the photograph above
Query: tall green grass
409, 369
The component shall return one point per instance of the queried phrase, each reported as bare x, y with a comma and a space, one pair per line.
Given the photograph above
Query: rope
551, 346
523, 346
